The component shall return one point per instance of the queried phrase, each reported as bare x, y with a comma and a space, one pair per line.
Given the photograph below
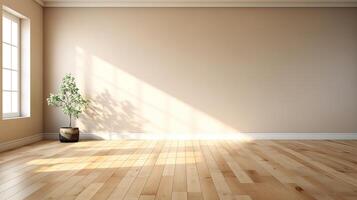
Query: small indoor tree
72, 104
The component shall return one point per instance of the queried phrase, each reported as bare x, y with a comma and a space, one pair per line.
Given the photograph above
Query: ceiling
198, 3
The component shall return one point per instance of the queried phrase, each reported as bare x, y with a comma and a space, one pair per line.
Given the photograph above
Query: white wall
194, 70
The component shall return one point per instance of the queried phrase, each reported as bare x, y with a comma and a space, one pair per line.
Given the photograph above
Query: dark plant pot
69, 134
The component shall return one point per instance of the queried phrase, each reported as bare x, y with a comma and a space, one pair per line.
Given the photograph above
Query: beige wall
19, 128
192, 70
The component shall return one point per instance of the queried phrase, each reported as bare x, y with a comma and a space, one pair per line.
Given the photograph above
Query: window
16, 63
11, 75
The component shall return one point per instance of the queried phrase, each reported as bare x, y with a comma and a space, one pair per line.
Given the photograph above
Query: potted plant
72, 104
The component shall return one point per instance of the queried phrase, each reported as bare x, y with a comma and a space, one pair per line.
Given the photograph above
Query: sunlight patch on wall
122, 103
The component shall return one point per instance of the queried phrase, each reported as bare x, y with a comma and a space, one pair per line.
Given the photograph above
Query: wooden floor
180, 170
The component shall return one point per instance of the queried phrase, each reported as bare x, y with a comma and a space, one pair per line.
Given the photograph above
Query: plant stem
70, 120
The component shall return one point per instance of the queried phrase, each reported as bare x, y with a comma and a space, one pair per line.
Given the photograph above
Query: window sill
14, 118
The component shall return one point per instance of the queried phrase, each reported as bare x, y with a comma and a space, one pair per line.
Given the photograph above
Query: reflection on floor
179, 170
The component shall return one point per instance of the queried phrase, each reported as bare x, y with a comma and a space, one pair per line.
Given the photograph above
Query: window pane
15, 33
6, 30
6, 79
15, 58
15, 81
6, 56
6, 102
15, 102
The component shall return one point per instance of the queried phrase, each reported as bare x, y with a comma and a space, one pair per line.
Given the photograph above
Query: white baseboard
304, 136
210, 136
20, 142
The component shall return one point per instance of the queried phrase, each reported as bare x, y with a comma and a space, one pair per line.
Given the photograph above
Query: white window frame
9, 68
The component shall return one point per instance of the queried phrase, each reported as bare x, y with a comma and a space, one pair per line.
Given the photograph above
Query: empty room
178, 99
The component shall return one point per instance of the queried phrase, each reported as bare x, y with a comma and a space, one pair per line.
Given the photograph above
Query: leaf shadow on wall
110, 115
